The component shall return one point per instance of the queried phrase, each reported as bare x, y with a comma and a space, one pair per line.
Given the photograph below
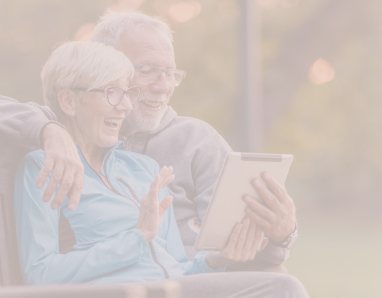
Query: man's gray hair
114, 24
81, 64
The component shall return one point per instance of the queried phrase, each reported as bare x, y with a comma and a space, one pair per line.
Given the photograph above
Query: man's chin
146, 122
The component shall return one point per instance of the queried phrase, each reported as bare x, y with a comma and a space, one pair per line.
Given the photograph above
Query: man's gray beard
146, 121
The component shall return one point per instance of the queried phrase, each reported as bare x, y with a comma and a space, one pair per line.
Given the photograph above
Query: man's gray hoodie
192, 147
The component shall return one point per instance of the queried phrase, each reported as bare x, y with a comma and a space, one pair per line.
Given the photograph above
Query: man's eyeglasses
149, 74
115, 95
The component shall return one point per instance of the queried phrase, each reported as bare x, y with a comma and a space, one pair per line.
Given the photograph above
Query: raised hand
61, 157
245, 241
151, 211
278, 217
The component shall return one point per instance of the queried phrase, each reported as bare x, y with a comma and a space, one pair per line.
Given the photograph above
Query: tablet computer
226, 208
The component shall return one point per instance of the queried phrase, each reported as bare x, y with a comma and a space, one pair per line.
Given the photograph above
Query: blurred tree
333, 129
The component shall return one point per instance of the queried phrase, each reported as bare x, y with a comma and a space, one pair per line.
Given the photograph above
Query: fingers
65, 186
166, 176
230, 249
260, 221
154, 186
169, 180
268, 197
256, 243
75, 192
241, 240
55, 179
46, 169
164, 205
260, 209
276, 188
63, 163
249, 242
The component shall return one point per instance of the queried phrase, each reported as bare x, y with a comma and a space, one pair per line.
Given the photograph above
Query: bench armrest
162, 289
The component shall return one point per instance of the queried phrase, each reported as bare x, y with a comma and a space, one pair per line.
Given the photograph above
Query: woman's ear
67, 101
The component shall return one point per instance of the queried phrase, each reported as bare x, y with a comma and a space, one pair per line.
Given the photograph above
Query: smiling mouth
152, 104
113, 122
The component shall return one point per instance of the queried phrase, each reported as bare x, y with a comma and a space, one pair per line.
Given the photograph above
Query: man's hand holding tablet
277, 220
278, 217
250, 185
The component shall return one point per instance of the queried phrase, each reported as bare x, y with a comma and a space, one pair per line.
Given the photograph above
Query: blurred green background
321, 73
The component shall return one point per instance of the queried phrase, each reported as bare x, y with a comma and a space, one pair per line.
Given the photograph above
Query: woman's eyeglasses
115, 95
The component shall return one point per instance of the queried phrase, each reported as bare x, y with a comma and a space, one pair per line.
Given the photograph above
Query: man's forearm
22, 123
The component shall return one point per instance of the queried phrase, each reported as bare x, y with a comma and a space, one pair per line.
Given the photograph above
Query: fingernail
247, 199
46, 199
257, 182
72, 207
39, 185
54, 206
267, 176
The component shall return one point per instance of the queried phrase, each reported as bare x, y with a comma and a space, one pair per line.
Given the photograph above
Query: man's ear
67, 101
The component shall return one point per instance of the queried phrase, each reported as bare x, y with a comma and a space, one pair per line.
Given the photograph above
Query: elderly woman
124, 225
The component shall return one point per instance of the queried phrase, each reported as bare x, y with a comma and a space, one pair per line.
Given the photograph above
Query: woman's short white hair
81, 64
114, 23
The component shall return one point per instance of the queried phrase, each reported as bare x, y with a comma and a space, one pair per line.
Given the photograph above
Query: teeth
114, 121
152, 103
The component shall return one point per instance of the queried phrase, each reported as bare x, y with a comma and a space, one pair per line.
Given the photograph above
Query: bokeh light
184, 11
321, 72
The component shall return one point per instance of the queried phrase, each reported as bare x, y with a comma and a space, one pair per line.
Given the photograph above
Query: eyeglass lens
115, 95
149, 74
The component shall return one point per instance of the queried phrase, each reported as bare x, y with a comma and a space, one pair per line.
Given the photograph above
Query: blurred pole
251, 109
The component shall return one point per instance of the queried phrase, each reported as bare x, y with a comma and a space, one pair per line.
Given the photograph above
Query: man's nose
161, 85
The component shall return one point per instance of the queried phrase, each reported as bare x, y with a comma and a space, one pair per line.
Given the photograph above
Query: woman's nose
125, 104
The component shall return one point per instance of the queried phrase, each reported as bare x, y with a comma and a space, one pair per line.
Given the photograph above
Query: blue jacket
108, 247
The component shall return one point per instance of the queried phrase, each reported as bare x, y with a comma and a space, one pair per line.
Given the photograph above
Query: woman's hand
151, 212
245, 241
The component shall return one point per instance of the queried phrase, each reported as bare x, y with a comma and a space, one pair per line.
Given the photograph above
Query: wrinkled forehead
148, 46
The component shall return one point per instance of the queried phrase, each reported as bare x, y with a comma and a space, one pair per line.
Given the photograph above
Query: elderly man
194, 149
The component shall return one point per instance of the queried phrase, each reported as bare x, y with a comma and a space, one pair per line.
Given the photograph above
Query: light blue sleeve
37, 236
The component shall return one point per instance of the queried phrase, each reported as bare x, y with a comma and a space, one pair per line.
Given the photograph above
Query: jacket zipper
130, 188
152, 249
